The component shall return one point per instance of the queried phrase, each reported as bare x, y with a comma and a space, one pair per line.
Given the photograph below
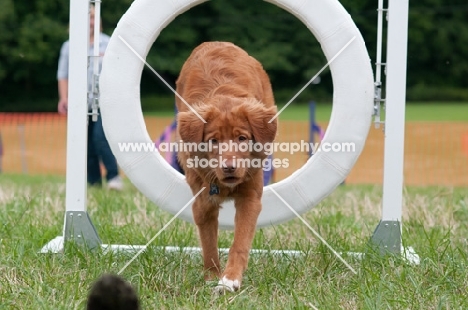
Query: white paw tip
226, 285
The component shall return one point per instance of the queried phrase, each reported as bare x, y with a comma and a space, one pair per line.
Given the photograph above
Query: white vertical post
78, 227
77, 107
387, 235
395, 110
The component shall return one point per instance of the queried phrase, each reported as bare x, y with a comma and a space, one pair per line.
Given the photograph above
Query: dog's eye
242, 138
214, 141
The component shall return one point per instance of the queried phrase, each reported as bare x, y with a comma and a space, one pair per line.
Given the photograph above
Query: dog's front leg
247, 211
206, 218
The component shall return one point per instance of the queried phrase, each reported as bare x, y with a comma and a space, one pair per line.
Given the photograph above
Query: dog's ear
259, 118
190, 125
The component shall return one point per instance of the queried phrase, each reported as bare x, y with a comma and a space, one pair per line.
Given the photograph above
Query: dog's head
234, 129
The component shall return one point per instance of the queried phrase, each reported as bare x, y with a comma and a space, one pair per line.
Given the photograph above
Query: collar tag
214, 189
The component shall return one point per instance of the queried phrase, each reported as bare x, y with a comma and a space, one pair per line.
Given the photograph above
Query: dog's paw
226, 285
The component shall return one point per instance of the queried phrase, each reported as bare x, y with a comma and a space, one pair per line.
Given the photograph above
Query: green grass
434, 224
437, 112
415, 111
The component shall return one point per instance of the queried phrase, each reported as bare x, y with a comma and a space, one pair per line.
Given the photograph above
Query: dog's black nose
229, 168
228, 165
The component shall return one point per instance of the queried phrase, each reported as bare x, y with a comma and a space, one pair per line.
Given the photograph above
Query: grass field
415, 111
434, 224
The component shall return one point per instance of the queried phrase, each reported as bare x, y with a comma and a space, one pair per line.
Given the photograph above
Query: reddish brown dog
221, 84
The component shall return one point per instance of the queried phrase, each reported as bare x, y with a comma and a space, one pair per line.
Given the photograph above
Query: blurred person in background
98, 146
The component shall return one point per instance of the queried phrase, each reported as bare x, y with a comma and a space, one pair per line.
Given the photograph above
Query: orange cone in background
465, 144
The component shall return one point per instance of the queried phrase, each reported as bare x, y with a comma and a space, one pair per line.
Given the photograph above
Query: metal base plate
80, 229
387, 237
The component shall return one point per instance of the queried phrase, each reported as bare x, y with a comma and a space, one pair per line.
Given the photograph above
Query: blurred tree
31, 33
438, 45
6, 35
284, 46
33, 30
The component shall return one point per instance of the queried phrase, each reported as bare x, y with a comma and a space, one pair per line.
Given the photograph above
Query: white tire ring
350, 119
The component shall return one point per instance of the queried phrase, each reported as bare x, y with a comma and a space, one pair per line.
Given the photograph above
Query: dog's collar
214, 189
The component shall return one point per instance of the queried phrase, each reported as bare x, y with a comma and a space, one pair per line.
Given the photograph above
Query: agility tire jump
350, 119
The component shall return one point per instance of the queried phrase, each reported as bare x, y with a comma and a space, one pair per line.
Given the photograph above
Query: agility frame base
57, 245
80, 230
387, 240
